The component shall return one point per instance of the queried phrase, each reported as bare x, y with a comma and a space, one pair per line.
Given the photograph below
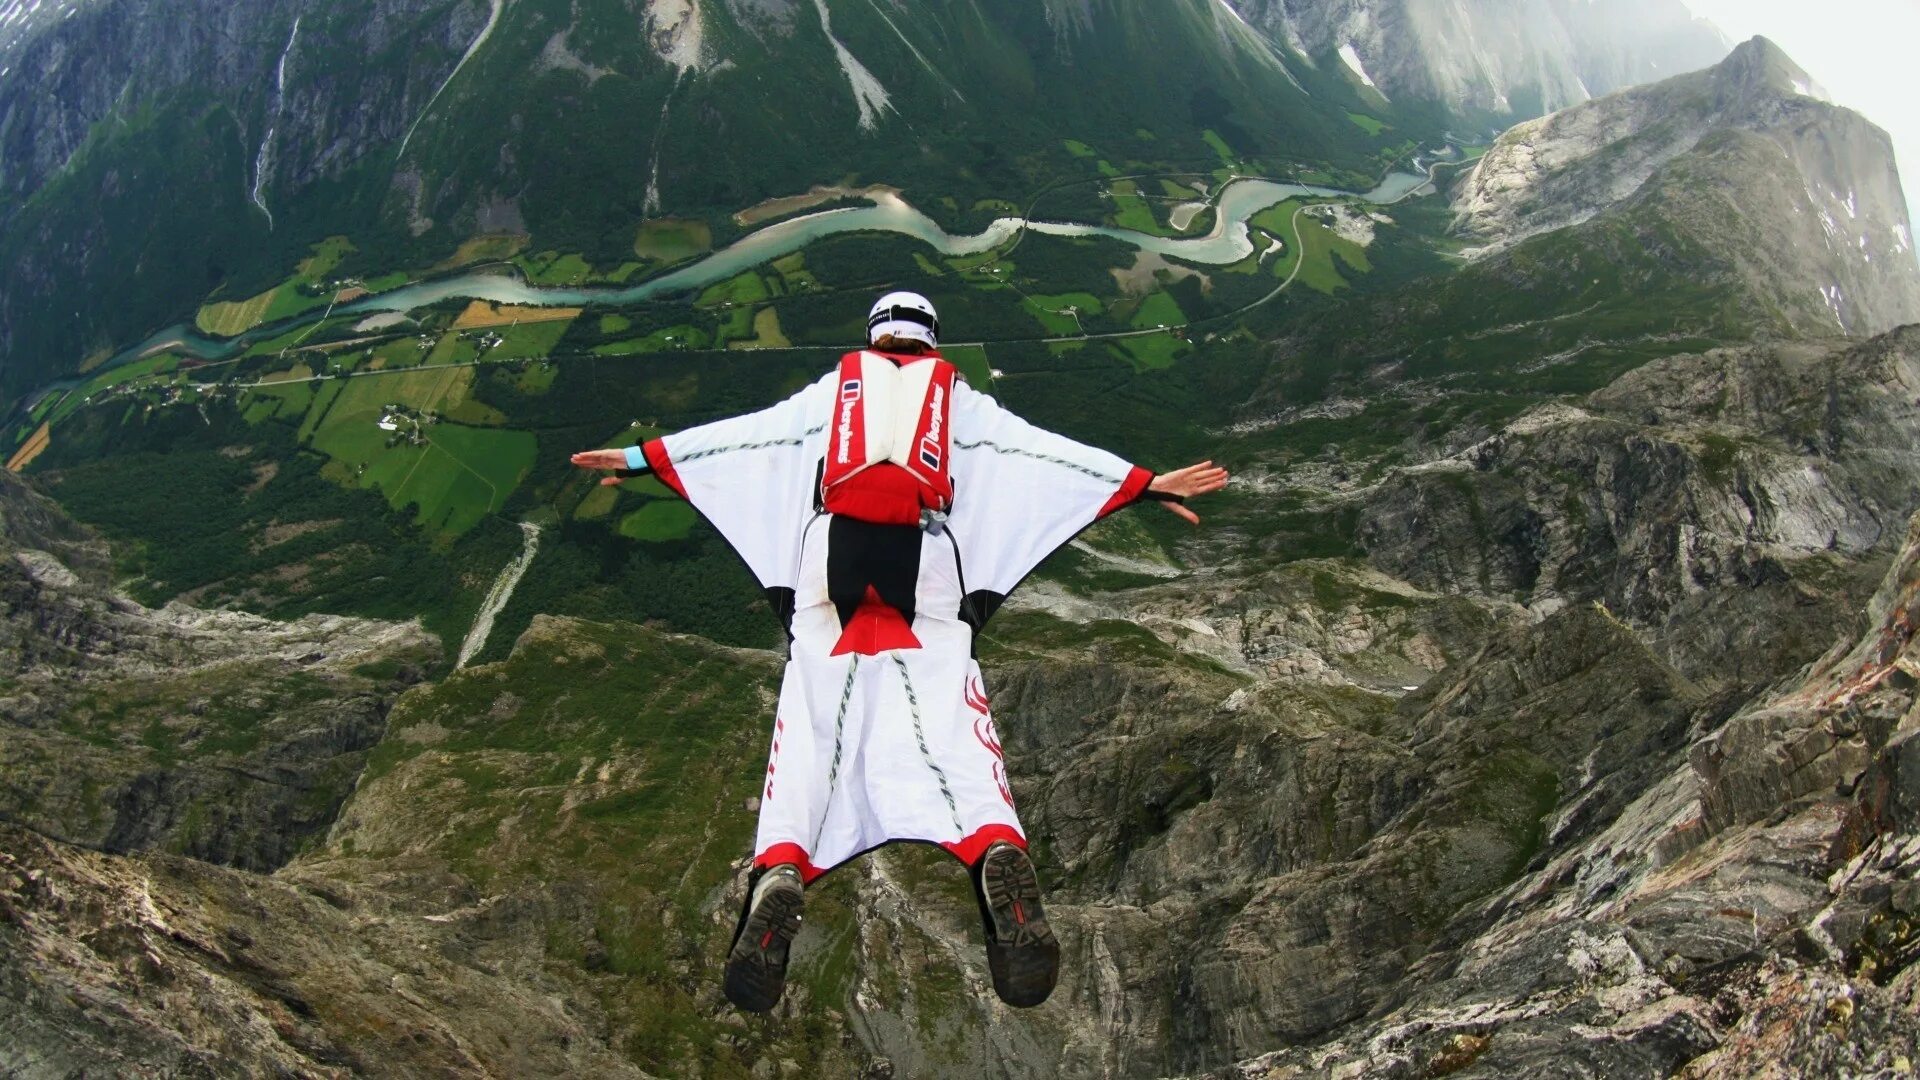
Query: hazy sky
1862, 51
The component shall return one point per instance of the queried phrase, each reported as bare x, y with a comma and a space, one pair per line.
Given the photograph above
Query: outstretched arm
1174, 488
752, 476
1022, 491
627, 463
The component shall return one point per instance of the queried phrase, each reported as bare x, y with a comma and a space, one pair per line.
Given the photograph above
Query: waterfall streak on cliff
652, 203
264, 160
868, 95
498, 596
924, 62
493, 20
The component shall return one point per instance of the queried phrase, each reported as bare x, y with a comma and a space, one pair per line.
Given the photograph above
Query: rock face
1512, 58
1604, 759
67, 79
161, 965
220, 735
1814, 213
1750, 911
1708, 498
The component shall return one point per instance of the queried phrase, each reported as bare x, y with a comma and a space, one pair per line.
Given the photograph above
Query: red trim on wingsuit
790, 853
876, 626
662, 465
1130, 489
974, 845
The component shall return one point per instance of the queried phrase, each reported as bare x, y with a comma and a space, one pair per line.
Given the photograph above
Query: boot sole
757, 964
1022, 953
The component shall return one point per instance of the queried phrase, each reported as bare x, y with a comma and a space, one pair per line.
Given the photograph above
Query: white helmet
904, 315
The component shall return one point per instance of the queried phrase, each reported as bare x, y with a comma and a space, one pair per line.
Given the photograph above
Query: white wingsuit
887, 735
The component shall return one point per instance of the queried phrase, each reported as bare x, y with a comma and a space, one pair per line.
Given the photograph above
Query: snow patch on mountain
1067, 18
1482, 54
1351, 57
1831, 294
20, 17
1804, 85
868, 95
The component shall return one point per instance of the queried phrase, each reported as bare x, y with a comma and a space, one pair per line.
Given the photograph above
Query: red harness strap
878, 469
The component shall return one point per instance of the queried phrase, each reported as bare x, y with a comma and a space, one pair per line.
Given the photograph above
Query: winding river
1229, 241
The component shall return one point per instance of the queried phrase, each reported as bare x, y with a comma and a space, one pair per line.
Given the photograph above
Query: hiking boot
1022, 953
757, 963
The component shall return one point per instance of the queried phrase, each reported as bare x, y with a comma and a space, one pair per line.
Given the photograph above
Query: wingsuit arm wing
1022, 491
752, 476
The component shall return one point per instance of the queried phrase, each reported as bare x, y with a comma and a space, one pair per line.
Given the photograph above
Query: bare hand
602, 459
1200, 479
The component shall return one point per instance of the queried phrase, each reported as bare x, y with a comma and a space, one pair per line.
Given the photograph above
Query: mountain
411, 124
1507, 59
1540, 698
1711, 208
1601, 829
1816, 222
129, 728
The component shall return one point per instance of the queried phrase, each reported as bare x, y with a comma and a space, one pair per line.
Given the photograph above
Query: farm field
972, 362
554, 268
670, 240
529, 341
1149, 352
291, 297
1132, 211
1368, 124
766, 332
1048, 308
487, 247
661, 519
35, 445
480, 313
1158, 309
669, 338
456, 477
1319, 245
231, 317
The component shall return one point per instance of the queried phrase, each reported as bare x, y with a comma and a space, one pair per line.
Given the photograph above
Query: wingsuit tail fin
876, 626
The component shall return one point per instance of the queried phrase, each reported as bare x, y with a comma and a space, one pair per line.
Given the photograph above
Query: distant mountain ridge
1509, 58
1824, 233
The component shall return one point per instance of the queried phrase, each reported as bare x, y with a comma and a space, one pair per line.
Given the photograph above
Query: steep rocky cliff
1714, 208
220, 735
1511, 58
1802, 196
1586, 747
1748, 910
1559, 773
1704, 497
